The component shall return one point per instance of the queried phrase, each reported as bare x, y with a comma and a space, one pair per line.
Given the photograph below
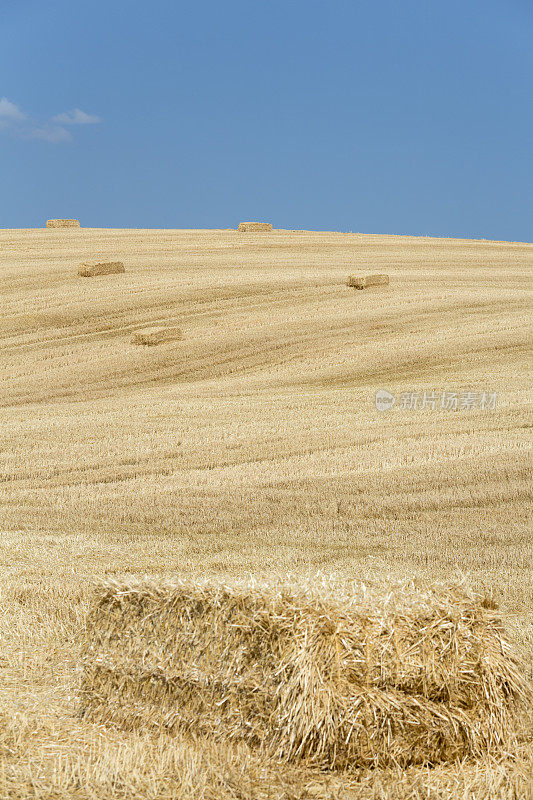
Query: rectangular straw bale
89, 269
62, 223
156, 335
255, 226
368, 280
340, 678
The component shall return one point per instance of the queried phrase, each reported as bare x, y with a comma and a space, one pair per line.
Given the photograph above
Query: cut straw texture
91, 268
334, 676
255, 226
368, 280
156, 335
62, 223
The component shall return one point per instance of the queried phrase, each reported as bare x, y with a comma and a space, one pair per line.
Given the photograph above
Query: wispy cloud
9, 111
49, 133
76, 117
14, 121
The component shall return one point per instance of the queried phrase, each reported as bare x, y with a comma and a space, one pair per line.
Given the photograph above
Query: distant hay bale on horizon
88, 269
367, 280
355, 678
156, 335
62, 223
255, 226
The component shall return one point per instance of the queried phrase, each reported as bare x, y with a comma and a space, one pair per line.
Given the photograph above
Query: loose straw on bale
151, 336
91, 268
62, 223
368, 280
338, 678
255, 226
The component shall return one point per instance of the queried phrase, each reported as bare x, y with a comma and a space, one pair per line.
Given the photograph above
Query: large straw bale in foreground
151, 336
255, 226
91, 268
338, 678
368, 280
62, 223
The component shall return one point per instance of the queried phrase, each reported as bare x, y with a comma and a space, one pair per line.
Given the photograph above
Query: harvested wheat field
254, 451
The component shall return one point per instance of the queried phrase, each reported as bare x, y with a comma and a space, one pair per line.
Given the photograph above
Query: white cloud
9, 111
13, 121
76, 117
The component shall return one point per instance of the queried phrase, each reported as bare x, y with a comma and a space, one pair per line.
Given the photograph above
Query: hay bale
62, 223
357, 283
339, 678
91, 268
255, 226
156, 335
368, 280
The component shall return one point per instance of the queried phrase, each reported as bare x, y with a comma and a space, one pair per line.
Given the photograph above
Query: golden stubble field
252, 446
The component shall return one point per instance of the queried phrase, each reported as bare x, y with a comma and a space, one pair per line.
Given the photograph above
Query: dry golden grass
252, 446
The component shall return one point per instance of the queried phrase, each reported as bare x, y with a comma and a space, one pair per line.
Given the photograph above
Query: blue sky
383, 116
